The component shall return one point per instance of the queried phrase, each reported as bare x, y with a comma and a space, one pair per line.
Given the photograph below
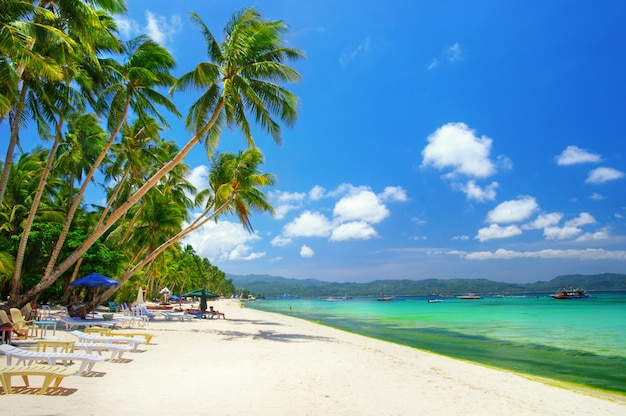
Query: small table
44, 326
66, 346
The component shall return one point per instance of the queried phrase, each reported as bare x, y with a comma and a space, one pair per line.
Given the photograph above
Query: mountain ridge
265, 285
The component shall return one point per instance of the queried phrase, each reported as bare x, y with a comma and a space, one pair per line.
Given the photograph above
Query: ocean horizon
575, 341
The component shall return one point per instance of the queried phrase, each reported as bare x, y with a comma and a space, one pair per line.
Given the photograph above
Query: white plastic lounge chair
178, 316
117, 350
28, 357
52, 374
82, 337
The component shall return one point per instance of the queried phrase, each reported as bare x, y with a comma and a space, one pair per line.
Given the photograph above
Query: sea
581, 341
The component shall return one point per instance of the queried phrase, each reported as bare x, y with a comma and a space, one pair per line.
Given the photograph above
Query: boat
383, 298
470, 296
434, 301
571, 293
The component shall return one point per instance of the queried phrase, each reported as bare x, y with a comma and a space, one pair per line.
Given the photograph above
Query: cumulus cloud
544, 220
199, 177
317, 193
363, 205
306, 252
570, 229
597, 197
283, 202
513, 211
496, 231
601, 175
602, 234
308, 224
586, 254
455, 146
476, 193
223, 241
393, 193
573, 155
280, 241
356, 230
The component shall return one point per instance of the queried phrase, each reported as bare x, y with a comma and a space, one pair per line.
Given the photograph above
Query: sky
435, 139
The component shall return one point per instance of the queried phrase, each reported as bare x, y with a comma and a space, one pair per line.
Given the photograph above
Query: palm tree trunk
8, 159
19, 258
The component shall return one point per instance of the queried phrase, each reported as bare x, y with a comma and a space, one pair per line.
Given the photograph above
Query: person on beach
218, 313
77, 312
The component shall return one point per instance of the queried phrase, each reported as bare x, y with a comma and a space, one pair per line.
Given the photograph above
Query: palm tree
241, 78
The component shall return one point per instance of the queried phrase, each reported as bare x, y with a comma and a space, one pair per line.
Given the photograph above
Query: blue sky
435, 139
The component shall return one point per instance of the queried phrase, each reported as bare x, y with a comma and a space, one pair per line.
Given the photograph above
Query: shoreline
267, 363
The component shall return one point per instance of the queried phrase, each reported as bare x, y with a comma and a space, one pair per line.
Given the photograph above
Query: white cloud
496, 231
573, 154
348, 57
453, 53
160, 29
223, 241
306, 252
544, 220
280, 241
560, 233
582, 219
513, 211
475, 192
597, 197
284, 202
317, 193
460, 237
602, 234
433, 64
308, 224
393, 193
601, 175
356, 230
586, 254
455, 146
128, 28
363, 205
199, 177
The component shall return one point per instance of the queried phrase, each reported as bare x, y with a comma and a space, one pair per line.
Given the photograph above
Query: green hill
274, 286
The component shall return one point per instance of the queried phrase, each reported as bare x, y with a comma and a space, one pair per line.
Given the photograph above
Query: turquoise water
577, 341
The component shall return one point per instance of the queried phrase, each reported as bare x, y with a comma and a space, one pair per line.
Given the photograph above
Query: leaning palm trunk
8, 161
19, 258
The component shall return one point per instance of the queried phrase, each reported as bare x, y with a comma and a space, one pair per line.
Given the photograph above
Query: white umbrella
165, 291
139, 300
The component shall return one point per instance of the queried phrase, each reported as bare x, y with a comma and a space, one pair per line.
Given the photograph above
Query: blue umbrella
94, 280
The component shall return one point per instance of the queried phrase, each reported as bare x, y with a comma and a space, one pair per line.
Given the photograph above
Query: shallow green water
578, 341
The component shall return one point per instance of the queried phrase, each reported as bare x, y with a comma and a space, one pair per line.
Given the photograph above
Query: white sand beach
260, 363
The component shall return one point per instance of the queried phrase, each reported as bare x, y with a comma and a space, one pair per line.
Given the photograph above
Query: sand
260, 363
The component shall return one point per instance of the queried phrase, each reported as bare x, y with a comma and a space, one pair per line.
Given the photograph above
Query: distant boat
288, 296
469, 296
382, 297
571, 293
434, 301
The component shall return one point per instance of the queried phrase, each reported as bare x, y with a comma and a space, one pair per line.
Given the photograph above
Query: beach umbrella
139, 300
94, 281
198, 293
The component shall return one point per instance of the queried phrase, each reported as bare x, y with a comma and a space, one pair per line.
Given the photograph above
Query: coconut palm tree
241, 79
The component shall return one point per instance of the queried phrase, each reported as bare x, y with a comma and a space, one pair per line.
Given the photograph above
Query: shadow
121, 360
34, 391
92, 374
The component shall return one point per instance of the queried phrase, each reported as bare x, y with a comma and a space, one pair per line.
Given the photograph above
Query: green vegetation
272, 286
99, 122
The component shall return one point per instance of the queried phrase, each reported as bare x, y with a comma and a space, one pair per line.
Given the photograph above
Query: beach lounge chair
52, 374
124, 333
5, 321
45, 313
82, 337
113, 307
22, 355
117, 350
169, 316
19, 323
